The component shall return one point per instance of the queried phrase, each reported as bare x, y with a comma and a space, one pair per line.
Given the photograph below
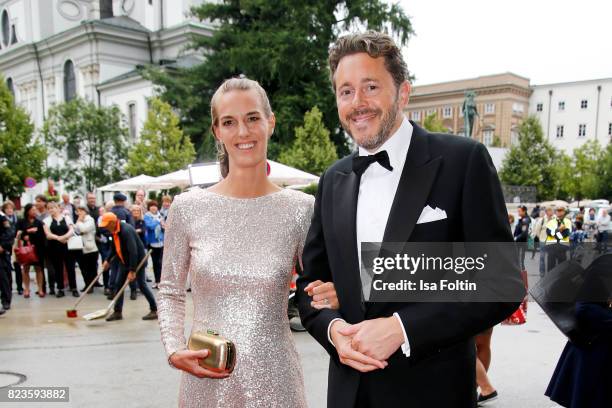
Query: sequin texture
239, 254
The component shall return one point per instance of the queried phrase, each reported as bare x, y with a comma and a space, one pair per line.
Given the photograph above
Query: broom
72, 313
98, 314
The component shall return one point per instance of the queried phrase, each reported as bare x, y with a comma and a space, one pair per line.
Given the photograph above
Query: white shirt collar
396, 146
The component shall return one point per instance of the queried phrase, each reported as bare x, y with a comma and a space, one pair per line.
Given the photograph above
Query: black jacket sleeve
6, 234
316, 267
433, 326
131, 249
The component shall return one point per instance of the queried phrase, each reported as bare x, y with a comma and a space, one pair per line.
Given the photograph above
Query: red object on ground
520, 315
294, 277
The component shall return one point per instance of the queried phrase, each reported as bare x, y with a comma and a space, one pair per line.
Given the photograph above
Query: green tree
564, 170
312, 149
534, 162
21, 155
282, 44
587, 174
93, 141
163, 147
433, 124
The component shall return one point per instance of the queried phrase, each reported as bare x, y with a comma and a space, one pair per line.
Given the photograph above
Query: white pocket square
429, 215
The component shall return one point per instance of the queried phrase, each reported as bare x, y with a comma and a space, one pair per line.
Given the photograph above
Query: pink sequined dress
240, 254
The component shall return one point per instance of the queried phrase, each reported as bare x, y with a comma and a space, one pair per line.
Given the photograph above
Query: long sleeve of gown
171, 296
304, 226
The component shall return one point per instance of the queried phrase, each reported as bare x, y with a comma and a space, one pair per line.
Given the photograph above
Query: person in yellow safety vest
558, 231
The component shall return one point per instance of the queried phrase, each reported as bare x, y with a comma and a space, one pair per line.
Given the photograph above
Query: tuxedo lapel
415, 184
348, 284
417, 178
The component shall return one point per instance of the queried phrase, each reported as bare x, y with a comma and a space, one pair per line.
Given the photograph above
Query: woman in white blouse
86, 228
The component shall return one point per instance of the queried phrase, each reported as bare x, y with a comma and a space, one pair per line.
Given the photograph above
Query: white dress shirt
377, 190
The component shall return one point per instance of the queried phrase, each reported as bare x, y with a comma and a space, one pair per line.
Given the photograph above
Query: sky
546, 41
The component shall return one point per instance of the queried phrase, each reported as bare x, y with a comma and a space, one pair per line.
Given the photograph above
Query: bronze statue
469, 112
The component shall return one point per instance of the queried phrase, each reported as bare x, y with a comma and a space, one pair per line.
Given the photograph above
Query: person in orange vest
129, 250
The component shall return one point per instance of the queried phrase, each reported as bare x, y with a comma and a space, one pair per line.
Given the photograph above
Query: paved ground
122, 364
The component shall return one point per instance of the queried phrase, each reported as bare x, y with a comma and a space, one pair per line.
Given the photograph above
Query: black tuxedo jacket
457, 175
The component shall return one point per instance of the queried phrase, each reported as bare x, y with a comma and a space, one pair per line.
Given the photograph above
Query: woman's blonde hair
137, 207
234, 84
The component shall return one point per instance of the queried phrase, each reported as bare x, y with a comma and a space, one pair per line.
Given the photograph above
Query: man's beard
384, 132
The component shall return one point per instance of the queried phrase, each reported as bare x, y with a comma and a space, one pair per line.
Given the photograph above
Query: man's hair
376, 45
42, 198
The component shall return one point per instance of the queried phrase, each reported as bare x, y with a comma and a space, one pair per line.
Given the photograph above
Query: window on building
447, 112
514, 137
539, 107
69, 81
582, 130
561, 105
610, 129
72, 151
584, 104
10, 86
132, 120
6, 28
487, 137
416, 116
559, 131
489, 108
517, 107
13, 35
430, 111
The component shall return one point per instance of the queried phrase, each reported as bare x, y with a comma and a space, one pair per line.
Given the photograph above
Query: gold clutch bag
222, 357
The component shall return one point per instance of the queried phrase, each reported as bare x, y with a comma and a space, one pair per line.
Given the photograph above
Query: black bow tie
361, 163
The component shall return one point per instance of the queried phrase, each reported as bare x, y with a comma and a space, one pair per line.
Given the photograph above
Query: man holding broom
129, 250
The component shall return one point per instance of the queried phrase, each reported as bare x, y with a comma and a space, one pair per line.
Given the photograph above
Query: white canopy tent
284, 175
179, 178
133, 184
206, 174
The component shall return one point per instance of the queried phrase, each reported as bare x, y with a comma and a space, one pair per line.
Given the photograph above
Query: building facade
502, 102
572, 113
52, 51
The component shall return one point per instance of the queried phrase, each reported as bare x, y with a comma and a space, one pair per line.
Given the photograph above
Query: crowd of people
56, 234
557, 234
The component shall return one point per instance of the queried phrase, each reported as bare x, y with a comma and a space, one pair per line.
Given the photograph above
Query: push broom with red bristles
72, 313
98, 314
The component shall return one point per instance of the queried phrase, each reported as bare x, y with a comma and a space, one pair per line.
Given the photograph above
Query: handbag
222, 352
26, 255
75, 243
520, 315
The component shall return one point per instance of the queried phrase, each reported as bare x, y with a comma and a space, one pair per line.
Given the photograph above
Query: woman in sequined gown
239, 241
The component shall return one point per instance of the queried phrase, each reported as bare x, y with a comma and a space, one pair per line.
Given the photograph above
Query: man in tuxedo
403, 185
